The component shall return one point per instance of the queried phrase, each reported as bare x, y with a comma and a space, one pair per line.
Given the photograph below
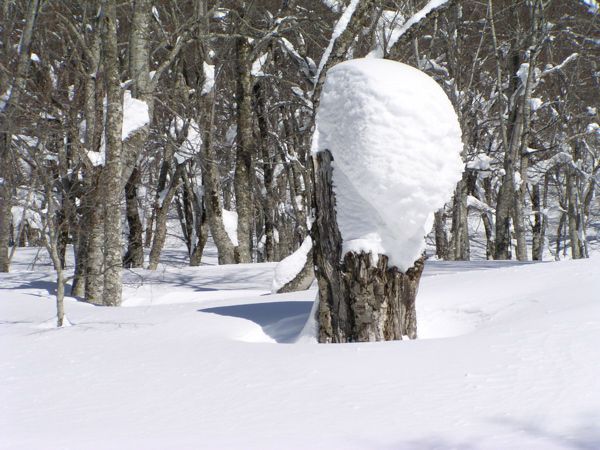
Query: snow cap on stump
396, 144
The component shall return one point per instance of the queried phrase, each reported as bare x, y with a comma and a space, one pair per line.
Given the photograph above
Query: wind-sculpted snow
396, 144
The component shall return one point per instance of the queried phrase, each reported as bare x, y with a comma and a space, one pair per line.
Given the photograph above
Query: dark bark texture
360, 300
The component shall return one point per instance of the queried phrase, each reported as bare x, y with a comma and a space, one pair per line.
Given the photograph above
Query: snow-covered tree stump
358, 301
386, 157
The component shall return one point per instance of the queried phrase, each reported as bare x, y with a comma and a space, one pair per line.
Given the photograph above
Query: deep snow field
508, 358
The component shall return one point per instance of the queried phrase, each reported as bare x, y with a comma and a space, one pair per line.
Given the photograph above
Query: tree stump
361, 298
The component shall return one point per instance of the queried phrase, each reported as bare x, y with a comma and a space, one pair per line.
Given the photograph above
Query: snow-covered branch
433, 7
561, 66
339, 28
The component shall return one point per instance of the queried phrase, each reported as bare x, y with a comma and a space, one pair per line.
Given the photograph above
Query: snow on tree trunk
387, 156
139, 66
295, 273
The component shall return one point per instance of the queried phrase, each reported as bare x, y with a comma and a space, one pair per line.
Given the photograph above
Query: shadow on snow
282, 321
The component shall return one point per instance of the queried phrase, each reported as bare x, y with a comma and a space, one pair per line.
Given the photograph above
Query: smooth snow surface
396, 145
287, 269
511, 362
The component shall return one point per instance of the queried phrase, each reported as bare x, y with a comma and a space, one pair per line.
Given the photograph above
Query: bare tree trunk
559, 234
243, 182
162, 214
573, 216
78, 285
503, 238
149, 229
588, 196
507, 128
537, 245
5, 206
539, 200
459, 243
192, 216
135, 250
60, 298
139, 66
441, 236
488, 220
111, 175
214, 204
268, 204
52, 247
210, 166
358, 301
17, 86
88, 258
91, 242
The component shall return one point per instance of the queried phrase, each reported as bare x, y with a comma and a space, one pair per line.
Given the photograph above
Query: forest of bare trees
120, 118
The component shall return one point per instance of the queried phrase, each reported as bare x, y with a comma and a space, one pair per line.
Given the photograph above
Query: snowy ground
204, 358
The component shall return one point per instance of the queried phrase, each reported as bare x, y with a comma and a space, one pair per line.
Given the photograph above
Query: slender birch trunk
573, 216
111, 176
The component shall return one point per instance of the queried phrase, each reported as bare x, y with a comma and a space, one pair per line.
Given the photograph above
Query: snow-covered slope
509, 358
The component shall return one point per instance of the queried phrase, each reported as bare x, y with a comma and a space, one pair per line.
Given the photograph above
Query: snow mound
396, 143
287, 269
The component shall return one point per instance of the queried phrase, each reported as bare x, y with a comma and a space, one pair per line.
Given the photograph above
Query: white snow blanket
508, 359
396, 144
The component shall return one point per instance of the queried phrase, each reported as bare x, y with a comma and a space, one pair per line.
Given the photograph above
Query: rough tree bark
88, 257
243, 181
359, 300
192, 216
267, 164
573, 215
538, 229
160, 220
210, 168
459, 242
139, 67
111, 175
134, 257
441, 237
17, 86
